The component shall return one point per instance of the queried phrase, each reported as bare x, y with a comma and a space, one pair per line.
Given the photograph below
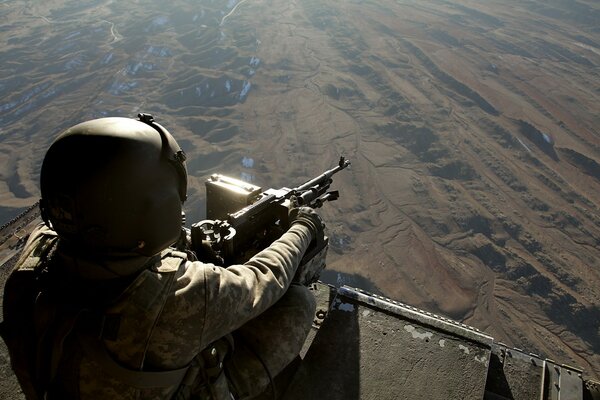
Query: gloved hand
313, 261
208, 254
309, 218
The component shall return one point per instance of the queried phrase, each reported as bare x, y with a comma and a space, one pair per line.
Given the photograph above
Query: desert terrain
472, 127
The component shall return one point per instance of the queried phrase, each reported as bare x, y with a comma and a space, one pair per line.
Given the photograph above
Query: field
472, 128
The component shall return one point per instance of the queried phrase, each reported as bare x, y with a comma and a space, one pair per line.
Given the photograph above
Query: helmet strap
174, 155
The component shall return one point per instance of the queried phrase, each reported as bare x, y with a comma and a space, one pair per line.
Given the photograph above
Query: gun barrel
324, 178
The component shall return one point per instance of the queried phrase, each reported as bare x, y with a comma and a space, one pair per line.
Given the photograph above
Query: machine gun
242, 219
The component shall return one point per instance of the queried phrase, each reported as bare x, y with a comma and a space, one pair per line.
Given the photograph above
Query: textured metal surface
553, 385
420, 316
523, 373
570, 384
562, 382
364, 351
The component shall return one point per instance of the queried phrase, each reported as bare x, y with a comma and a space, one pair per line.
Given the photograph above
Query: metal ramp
369, 347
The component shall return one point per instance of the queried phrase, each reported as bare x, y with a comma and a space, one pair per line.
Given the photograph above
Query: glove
309, 218
313, 261
208, 254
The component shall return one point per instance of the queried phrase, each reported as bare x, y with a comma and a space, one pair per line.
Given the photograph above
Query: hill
472, 127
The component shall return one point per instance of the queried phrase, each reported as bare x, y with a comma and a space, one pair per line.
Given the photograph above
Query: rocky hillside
472, 127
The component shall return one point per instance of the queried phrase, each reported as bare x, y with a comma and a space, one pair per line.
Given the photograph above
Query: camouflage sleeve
211, 301
240, 293
39, 233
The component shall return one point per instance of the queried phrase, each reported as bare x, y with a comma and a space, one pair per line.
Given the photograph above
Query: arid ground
472, 127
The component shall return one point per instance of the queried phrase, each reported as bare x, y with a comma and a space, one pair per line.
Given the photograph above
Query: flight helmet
115, 186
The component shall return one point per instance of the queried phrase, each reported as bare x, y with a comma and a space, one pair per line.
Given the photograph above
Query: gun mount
242, 220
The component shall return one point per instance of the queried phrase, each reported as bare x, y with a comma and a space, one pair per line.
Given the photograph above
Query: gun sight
343, 162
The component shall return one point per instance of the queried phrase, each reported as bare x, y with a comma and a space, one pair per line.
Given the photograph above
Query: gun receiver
242, 220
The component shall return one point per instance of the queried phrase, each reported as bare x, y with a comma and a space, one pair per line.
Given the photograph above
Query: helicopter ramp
369, 347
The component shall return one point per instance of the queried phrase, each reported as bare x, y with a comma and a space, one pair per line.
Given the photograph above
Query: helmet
115, 185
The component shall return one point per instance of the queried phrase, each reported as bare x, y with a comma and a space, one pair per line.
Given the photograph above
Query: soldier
100, 306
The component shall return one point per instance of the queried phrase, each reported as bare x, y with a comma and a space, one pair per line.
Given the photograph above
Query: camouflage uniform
174, 308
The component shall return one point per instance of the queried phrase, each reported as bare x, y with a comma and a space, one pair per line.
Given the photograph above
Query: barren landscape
472, 128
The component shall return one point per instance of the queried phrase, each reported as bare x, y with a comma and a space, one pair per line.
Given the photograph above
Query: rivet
213, 352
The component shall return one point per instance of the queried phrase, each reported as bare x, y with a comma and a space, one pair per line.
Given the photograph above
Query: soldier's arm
211, 301
239, 293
